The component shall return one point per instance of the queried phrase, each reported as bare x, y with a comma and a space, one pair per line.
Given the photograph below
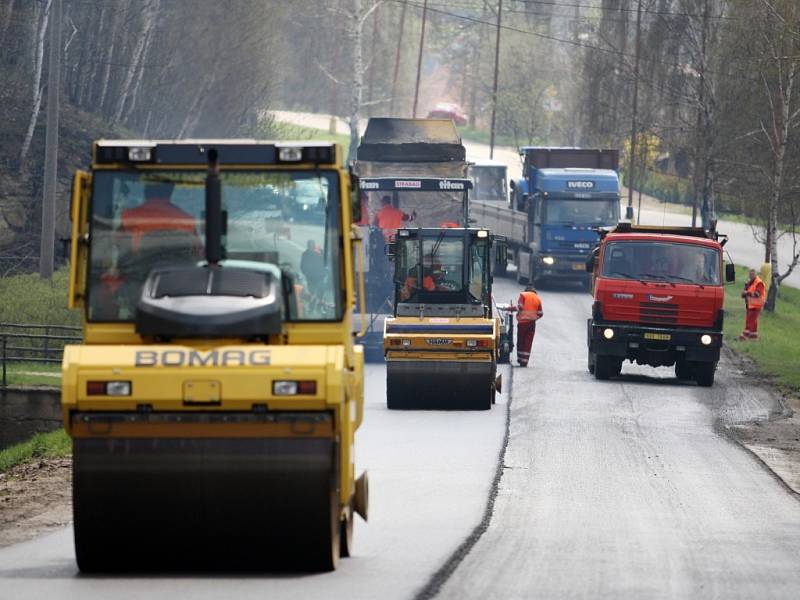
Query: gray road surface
430, 474
625, 489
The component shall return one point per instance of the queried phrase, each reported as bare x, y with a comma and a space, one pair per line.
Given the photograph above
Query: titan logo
197, 358
368, 185
450, 185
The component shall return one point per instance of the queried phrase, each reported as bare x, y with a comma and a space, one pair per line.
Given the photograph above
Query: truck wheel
591, 361
682, 370
704, 373
606, 367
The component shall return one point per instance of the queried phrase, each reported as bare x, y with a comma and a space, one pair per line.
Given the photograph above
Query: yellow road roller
214, 400
441, 345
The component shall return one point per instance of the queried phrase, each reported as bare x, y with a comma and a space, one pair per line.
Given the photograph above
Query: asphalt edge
440, 577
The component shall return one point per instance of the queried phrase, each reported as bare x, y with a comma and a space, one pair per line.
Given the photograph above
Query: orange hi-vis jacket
156, 215
756, 293
529, 307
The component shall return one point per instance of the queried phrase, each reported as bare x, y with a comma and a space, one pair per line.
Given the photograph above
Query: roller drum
439, 384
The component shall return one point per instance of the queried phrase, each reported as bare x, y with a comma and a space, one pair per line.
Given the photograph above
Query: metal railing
22, 343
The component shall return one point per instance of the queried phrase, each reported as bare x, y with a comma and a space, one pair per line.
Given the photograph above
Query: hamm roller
214, 402
441, 345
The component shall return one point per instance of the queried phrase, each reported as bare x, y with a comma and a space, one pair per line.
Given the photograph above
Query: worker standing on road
755, 295
529, 310
390, 218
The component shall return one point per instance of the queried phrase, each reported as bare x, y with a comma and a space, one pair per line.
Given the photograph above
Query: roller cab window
144, 219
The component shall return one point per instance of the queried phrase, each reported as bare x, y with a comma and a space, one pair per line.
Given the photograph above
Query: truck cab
566, 194
658, 300
489, 180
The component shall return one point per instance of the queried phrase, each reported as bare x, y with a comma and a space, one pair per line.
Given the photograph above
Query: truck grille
658, 312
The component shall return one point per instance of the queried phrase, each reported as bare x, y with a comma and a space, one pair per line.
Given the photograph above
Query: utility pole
397, 59
496, 70
634, 125
47, 244
372, 65
419, 60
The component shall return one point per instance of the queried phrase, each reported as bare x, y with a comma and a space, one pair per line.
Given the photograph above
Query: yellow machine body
188, 454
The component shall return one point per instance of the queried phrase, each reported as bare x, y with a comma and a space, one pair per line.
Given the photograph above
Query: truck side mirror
390, 249
730, 273
629, 213
591, 260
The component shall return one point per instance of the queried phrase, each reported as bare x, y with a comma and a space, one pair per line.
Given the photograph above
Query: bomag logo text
198, 358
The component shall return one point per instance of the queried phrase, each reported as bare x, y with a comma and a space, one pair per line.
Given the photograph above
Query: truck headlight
608, 333
705, 339
548, 260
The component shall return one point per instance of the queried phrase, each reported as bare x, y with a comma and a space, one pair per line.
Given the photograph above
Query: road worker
157, 214
755, 295
529, 310
410, 284
390, 218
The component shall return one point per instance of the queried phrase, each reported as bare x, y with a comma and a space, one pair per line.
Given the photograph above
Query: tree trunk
148, 22
37, 84
109, 56
356, 30
9, 12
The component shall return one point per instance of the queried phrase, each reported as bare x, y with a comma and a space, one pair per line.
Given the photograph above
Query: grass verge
33, 374
55, 444
776, 352
484, 137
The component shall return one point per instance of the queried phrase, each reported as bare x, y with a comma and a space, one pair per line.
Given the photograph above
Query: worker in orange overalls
755, 295
529, 310
390, 218
410, 284
156, 213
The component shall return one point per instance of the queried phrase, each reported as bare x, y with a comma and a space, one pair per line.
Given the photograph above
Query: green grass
776, 352
55, 444
31, 299
27, 374
279, 130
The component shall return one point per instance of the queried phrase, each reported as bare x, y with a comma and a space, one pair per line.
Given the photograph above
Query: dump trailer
214, 400
442, 343
406, 152
658, 300
565, 194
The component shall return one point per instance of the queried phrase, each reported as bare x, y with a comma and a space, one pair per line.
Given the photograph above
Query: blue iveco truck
564, 196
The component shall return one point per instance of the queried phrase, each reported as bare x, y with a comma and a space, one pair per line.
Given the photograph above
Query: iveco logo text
580, 185
198, 358
450, 185
368, 185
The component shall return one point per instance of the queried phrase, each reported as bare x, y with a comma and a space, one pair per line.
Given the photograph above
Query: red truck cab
658, 300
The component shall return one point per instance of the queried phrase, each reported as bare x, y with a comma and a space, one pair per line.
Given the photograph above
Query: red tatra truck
658, 294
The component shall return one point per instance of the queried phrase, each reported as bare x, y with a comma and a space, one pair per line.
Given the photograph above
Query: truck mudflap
200, 491
437, 383
655, 346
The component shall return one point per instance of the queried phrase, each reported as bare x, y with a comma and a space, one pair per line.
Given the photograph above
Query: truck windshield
144, 219
662, 261
580, 212
489, 183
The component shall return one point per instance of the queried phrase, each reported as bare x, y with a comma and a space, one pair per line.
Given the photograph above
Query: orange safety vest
390, 217
529, 307
756, 293
156, 215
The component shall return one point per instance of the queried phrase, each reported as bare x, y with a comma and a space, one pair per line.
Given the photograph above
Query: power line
565, 41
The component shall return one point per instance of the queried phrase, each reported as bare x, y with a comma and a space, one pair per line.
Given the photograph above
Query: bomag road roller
214, 400
441, 345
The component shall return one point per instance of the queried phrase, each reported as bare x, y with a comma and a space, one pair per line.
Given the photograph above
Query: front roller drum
187, 504
440, 384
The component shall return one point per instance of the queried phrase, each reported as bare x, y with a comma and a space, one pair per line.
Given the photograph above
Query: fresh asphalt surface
620, 489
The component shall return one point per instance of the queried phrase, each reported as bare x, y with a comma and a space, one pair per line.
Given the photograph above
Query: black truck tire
606, 367
682, 370
704, 373
592, 358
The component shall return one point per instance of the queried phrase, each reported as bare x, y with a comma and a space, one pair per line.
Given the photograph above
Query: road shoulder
775, 441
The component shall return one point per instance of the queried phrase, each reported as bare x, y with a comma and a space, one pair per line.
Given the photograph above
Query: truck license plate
657, 336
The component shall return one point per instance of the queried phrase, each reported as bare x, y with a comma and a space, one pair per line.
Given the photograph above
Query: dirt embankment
776, 440
34, 497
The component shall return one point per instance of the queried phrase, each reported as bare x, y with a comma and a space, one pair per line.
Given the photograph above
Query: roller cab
214, 402
441, 345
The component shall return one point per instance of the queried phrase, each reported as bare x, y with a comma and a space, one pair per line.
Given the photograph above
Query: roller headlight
608, 333
705, 339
